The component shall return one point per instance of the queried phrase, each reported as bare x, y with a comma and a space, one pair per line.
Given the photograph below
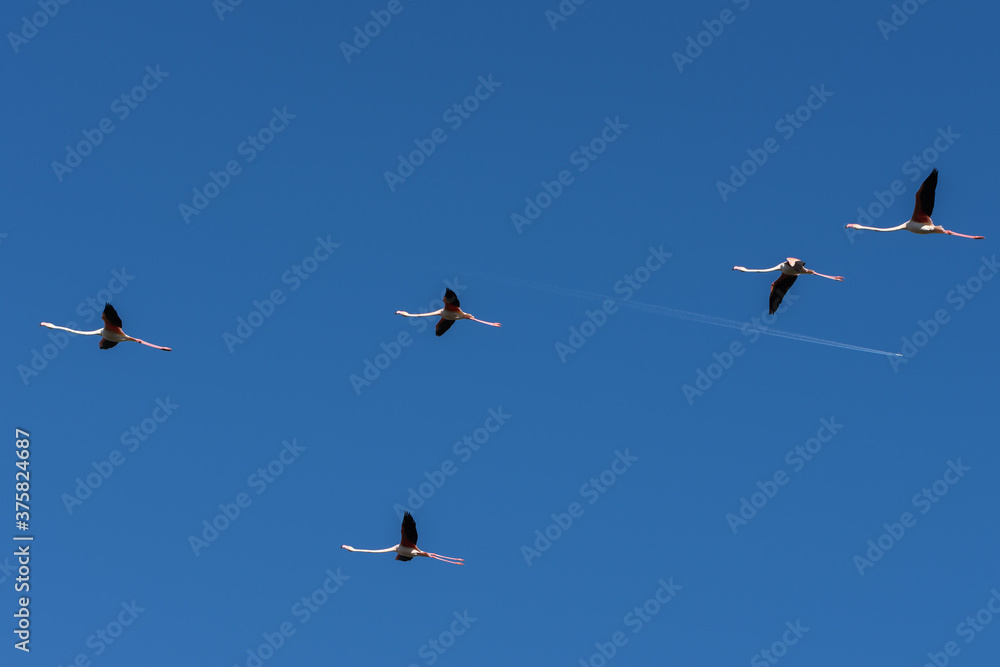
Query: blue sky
634, 473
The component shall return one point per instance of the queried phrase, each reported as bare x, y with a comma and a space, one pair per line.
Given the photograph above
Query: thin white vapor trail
695, 317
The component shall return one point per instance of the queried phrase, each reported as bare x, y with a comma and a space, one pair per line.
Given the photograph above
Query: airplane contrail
697, 317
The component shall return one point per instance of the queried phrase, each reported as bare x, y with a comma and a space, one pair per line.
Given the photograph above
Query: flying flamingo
920, 222
407, 547
449, 314
790, 269
111, 334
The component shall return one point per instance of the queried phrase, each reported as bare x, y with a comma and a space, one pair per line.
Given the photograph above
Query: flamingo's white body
920, 222
111, 334
790, 269
449, 314
407, 547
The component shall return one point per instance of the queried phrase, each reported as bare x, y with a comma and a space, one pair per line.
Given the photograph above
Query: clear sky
633, 471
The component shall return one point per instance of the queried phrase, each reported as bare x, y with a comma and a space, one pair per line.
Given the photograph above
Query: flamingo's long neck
881, 229
406, 314
773, 268
369, 551
72, 331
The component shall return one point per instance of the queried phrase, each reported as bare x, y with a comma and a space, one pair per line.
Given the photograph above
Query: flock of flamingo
919, 223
